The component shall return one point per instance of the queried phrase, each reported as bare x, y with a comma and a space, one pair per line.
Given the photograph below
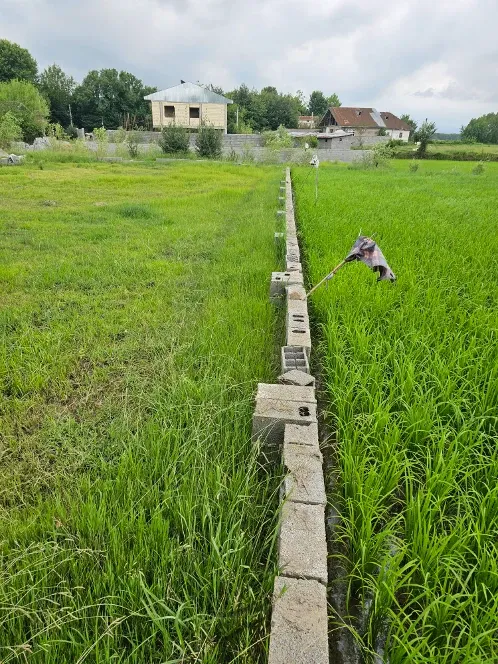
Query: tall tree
334, 101
112, 99
57, 87
423, 136
482, 130
16, 62
318, 103
27, 104
411, 122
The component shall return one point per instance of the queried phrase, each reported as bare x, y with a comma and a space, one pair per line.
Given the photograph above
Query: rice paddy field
136, 524
409, 384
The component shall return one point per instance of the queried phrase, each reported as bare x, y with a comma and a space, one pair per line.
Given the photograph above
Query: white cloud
429, 59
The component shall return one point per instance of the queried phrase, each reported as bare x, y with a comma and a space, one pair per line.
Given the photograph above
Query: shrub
278, 139
134, 139
478, 169
71, 131
101, 138
174, 139
413, 167
208, 142
382, 132
10, 130
27, 104
55, 130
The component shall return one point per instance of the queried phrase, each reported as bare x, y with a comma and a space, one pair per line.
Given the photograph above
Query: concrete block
286, 392
301, 435
294, 357
279, 236
297, 337
271, 416
294, 266
279, 212
293, 258
299, 626
297, 320
296, 293
281, 199
304, 482
297, 307
297, 377
302, 545
280, 280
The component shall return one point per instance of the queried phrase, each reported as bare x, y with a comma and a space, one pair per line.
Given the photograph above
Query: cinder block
271, 416
304, 481
294, 357
280, 280
297, 337
279, 212
279, 236
294, 257
302, 435
296, 293
297, 320
286, 392
302, 543
297, 377
299, 625
294, 267
297, 307
281, 199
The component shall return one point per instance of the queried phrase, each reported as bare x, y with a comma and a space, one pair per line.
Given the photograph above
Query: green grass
136, 524
410, 377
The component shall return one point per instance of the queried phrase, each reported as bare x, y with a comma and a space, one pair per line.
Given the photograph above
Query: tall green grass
410, 373
136, 523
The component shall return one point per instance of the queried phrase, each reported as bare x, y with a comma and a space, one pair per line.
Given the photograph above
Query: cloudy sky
429, 58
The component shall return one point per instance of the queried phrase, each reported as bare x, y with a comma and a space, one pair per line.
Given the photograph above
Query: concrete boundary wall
285, 426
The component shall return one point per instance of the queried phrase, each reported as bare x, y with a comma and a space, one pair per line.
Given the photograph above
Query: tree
334, 101
16, 62
424, 136
10, 130
57, 88
318, 103
411, 123
112, 99
27, 104
482, 130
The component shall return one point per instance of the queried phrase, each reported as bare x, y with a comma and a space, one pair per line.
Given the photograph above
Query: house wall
398, 134
214, 114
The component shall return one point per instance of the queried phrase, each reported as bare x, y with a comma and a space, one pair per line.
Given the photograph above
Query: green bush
208, 142
174, 139
278, 139
71, 131
10, 130
478, 169
27, 104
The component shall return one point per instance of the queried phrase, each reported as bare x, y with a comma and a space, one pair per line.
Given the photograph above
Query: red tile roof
393, 122
365, 117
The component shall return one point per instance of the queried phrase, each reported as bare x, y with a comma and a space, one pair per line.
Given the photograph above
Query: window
169, 111
194, 112
401, 134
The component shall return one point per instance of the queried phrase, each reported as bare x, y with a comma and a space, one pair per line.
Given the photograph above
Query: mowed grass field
409, 379
136, 524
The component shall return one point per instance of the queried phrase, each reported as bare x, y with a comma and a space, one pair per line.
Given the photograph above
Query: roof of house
366, 117
189, 93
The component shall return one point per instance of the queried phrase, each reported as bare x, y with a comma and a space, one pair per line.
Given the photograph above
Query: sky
429, 58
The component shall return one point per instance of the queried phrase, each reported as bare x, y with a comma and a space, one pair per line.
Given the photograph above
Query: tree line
116, 99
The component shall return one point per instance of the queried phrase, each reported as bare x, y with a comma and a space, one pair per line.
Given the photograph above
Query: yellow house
188, 105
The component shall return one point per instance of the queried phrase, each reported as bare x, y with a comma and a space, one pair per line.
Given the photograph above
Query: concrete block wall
285, 423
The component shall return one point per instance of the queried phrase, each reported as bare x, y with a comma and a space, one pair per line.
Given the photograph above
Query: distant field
473, 151
410, 383
136, 524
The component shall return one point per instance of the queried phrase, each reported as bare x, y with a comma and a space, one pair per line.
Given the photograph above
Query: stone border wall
285, 425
